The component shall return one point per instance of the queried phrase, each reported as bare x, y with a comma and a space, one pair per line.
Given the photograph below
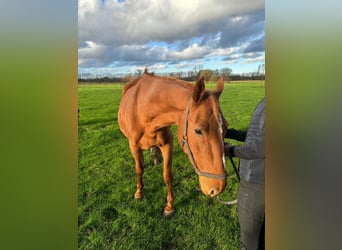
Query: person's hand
227, 145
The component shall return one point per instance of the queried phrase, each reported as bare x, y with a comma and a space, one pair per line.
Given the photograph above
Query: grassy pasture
110, 218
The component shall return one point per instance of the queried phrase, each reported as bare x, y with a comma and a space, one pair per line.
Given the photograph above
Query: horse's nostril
212, 192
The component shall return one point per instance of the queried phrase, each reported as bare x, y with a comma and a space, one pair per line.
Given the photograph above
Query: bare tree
206, 73
226, 72
138, 72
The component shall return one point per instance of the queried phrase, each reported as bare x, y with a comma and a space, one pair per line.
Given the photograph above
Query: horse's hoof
168, 213
138, 196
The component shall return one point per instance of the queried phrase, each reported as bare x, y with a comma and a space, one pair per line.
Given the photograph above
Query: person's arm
234, 134
249, 150
254, 146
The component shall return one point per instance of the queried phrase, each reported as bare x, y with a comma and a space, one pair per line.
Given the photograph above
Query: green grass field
109, 216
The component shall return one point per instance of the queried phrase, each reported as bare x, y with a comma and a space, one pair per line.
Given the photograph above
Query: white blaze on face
221, 131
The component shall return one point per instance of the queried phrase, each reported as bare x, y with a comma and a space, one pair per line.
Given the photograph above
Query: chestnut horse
148, 107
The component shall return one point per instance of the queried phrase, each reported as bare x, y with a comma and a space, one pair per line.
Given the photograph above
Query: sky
119, 37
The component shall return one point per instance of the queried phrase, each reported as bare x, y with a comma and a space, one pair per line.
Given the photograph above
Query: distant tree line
192, 75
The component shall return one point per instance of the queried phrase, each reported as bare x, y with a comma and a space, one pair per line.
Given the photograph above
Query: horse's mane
134, 82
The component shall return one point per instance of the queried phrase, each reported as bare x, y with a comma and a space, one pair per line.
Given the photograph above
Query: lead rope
238, 176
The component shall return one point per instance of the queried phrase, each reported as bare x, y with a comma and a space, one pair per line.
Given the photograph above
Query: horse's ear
199, 89
219, 87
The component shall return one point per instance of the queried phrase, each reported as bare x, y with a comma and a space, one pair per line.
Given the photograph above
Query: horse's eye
198, 131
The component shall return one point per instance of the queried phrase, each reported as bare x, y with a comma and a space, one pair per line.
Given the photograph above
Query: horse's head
202, 135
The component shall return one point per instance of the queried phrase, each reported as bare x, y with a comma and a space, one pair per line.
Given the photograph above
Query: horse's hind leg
155, 155
139, 169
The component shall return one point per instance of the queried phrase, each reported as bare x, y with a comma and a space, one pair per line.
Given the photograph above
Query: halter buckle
184, 140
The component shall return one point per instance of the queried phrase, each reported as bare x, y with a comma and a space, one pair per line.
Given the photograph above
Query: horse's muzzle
211, 187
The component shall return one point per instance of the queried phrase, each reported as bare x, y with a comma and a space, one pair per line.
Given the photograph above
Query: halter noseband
185, 142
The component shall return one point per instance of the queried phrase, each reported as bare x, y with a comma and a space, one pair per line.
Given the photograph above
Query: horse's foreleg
166, 151
139, 169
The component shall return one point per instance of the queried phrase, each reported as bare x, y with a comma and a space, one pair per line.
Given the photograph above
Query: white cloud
223, 51
117, 32
260, 58
191, 52
139, 21
157, 67
183, 65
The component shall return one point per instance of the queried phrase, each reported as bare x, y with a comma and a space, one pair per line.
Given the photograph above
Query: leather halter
185, 142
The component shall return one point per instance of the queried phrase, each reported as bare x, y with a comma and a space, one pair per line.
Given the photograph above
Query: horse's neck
178, 97
171, 106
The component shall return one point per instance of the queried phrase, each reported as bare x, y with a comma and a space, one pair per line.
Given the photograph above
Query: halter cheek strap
185, 142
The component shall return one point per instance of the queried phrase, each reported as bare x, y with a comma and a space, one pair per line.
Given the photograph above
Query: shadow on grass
101, 122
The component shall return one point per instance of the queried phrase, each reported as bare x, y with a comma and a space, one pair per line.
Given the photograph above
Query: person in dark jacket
251, 191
